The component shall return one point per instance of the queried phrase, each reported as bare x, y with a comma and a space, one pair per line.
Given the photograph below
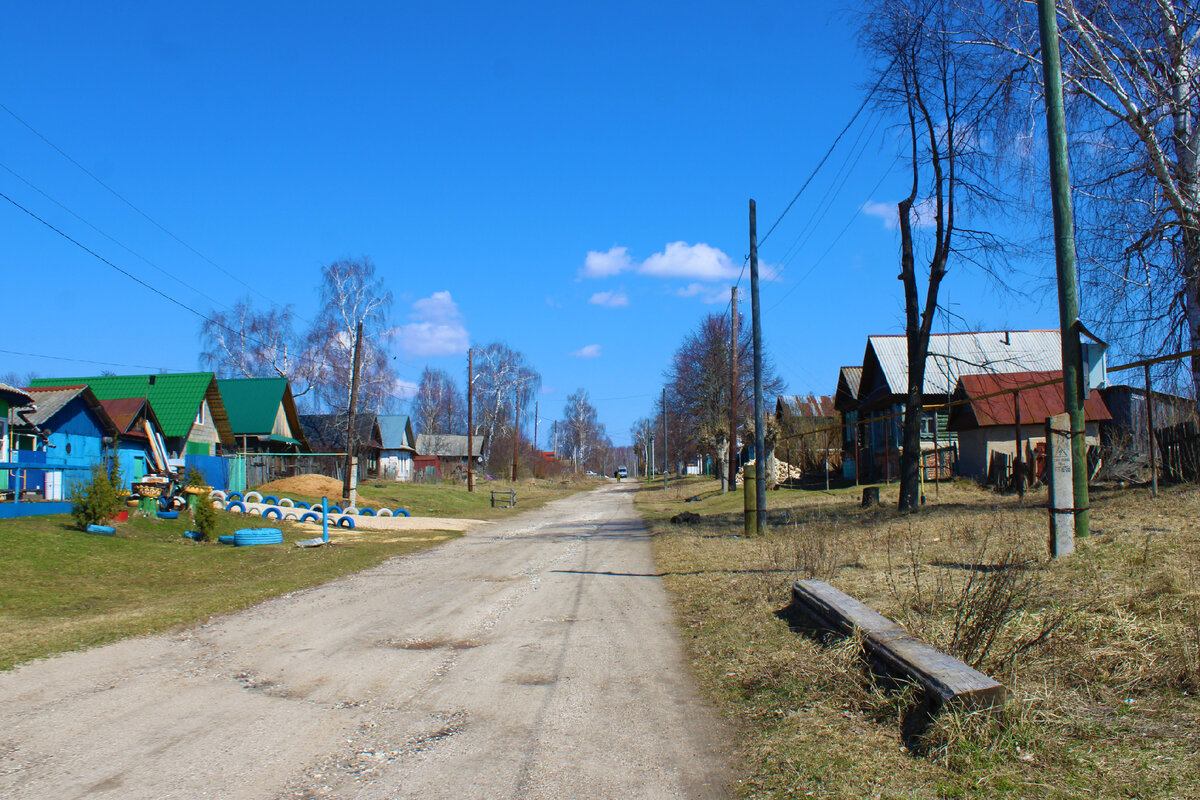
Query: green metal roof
175, 397
252, 403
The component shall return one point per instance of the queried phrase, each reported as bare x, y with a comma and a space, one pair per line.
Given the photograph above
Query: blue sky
541, 174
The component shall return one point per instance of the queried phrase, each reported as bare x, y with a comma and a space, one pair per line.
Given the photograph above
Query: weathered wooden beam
944, 678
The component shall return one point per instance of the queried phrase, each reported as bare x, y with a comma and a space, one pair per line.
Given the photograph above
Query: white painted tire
217, 494
350, 510
287, 502
219, 504
253, 497
383, 512
291, 515
254, 512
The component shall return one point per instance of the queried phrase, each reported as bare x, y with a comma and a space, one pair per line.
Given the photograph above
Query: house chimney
1006, 339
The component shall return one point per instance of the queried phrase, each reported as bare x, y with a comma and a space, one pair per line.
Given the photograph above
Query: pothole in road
429, 644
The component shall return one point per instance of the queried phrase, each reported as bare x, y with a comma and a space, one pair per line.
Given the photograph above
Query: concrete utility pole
1064, 252
731, 462
347, 487
470, 419
760, 457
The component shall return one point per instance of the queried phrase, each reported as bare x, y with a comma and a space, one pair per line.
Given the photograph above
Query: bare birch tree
1131, 75
245, 342
503, 377
439, 406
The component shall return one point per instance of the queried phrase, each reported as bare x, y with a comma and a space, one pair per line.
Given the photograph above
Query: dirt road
534, 658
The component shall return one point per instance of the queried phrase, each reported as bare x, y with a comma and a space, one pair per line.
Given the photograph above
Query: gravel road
533, 658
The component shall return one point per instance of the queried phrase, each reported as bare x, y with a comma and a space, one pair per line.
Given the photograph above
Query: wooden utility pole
470, 419
357, 366
1150, 434
731, 462
760, 456
535, 426
1064, 257
516, 431
664, 408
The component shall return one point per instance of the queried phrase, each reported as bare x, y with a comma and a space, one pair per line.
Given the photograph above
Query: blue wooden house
66, 425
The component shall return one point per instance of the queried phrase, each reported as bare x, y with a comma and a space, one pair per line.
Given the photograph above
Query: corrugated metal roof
852, 377
817, 406
448, 445
175, 397
326, 433
394, 432
252, 403
52, 399
124, 412
1036, 402
956, 354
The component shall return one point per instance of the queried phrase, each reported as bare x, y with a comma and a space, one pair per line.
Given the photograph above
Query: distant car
590, 474
622, 472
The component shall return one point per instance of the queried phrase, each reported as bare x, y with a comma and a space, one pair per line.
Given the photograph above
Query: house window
928, 424
200, 415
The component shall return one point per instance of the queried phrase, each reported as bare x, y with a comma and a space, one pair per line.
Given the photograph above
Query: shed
450, 450
187, 404
986, 418
262, 415
398, 446
808, 414
845, 401
326, 433
134, 450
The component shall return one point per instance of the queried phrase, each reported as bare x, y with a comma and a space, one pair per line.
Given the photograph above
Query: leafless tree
583, 437
503, 377
698, 391
439, 406
351, 292
245, 342
931, 79
1131, 75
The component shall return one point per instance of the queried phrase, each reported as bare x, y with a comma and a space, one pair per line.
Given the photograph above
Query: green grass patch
64, 589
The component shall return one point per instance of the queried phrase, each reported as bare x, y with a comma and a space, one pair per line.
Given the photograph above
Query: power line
89, 361
127, 202
112, 239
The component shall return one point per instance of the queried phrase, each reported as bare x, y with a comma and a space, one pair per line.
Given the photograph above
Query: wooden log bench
509, 498
944, 678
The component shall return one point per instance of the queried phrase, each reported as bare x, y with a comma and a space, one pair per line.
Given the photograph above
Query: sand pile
309, 485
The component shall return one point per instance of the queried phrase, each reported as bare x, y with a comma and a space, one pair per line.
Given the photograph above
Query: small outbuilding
262, 415
398, 445
988, 408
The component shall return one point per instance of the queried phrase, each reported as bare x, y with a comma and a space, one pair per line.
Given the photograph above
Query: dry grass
1101, 651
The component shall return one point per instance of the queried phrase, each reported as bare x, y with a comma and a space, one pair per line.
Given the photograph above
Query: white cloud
883, 211
696, 261
404, 389
603, 265
617, 299
590, 351
436, 329
923, 213
707, 294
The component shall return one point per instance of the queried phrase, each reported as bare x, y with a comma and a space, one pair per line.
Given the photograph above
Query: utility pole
1064, 252
760, 457
516, 431
731, 462
664, 408
535, 425
556, 440
347, 487
470, 419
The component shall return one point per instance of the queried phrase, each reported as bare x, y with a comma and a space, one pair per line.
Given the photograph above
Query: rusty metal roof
1036, 402
956, 354
820, 406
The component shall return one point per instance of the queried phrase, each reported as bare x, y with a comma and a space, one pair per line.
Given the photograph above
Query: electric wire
129, 203
90, 361
112, 239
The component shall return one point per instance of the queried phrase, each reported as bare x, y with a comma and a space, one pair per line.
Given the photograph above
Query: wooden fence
1180, 449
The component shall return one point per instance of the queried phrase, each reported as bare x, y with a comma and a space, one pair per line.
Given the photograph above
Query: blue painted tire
310, 517
168, 515
270, 500
335, 509
225, 539
302, 504
102, 530
237, 506
193, 535
286, 502
234, 496
367, 512
403, 511
345, 522
247, 537
272, 513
